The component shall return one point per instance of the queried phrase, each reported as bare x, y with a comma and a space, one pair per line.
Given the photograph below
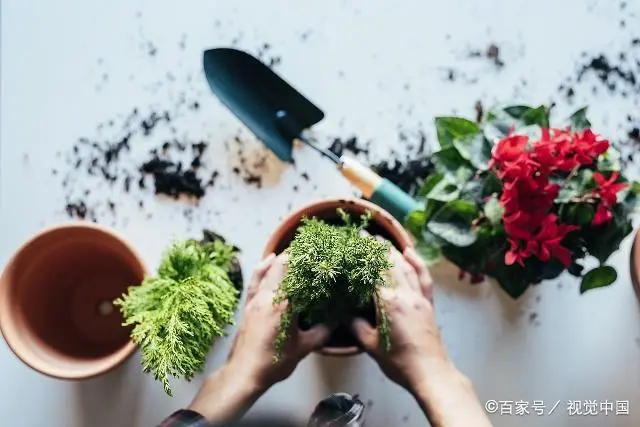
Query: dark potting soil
409, 174
492, 52
351, 144
107, 157
235, 270
609, 74
410, 171
342, 336
616, 73
172, 178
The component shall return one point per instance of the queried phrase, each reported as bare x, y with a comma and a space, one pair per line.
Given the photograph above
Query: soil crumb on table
492, 53
172, 178
409, 171
351, 144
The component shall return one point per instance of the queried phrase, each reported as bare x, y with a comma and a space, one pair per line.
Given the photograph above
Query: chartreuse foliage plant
521, 201
332, 271
178, 313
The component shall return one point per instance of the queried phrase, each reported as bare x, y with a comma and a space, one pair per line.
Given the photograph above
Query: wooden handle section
360, 176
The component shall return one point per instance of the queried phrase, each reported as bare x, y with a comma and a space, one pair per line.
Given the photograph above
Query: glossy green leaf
429, 251
451, 128
415, 222
578, 120
604, 240
444, 191
493, 210
579, 213
536, 116
598, 277
609, 161
429, 183
517, 111
456, 235
452, 223
578, 185
472, 191
452, 165
476, 149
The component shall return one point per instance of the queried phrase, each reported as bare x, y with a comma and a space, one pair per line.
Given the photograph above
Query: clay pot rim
634, 265
95, 367
392, 225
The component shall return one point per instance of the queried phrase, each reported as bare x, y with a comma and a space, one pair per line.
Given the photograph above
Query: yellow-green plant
332, 271
178, 313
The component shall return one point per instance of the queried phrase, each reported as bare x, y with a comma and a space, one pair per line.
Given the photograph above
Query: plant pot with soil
334, 270
55, 300
178, 313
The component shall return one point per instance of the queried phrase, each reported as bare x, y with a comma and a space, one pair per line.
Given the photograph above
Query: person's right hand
417, 359
415, 339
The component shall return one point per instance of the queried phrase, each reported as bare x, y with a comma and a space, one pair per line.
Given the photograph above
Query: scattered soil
409, 172
618, 74
107, 158
266, 55
171, 178
479, 108
609, 74
492, 52
79, 210
351, 144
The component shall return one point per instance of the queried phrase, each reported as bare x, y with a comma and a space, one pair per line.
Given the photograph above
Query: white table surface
372, 67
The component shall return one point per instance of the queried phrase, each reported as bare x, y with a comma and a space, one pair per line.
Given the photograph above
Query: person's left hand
251, 368
253, 349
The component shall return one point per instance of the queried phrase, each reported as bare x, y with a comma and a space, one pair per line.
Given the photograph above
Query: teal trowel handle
378, 190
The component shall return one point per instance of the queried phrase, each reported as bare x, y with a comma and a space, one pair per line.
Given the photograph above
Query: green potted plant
178, 313
334, 270
517, 200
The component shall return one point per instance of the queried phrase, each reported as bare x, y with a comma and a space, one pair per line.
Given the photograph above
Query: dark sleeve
185, 418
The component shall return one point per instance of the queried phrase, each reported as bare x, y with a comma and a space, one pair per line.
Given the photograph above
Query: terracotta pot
55, 300
635, 263
383, 224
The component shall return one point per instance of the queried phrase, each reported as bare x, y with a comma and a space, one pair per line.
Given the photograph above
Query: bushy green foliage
332, 270
462, 218
178, 313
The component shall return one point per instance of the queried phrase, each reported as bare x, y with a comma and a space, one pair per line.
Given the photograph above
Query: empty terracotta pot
342, 343
55, 300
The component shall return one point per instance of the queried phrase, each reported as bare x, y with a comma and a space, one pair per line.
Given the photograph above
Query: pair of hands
414, 334
417, 360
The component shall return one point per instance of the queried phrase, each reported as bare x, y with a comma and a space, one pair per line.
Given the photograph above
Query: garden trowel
278, 115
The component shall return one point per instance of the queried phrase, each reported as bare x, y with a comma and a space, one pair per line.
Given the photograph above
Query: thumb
365, 334
315, 337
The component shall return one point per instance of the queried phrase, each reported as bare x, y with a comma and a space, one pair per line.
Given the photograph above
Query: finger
411, 274
314, 338
402, 271
272, 279
424, 277
258, 274
366, 335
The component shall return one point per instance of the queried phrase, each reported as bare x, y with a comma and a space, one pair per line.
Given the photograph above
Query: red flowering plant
517, 200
